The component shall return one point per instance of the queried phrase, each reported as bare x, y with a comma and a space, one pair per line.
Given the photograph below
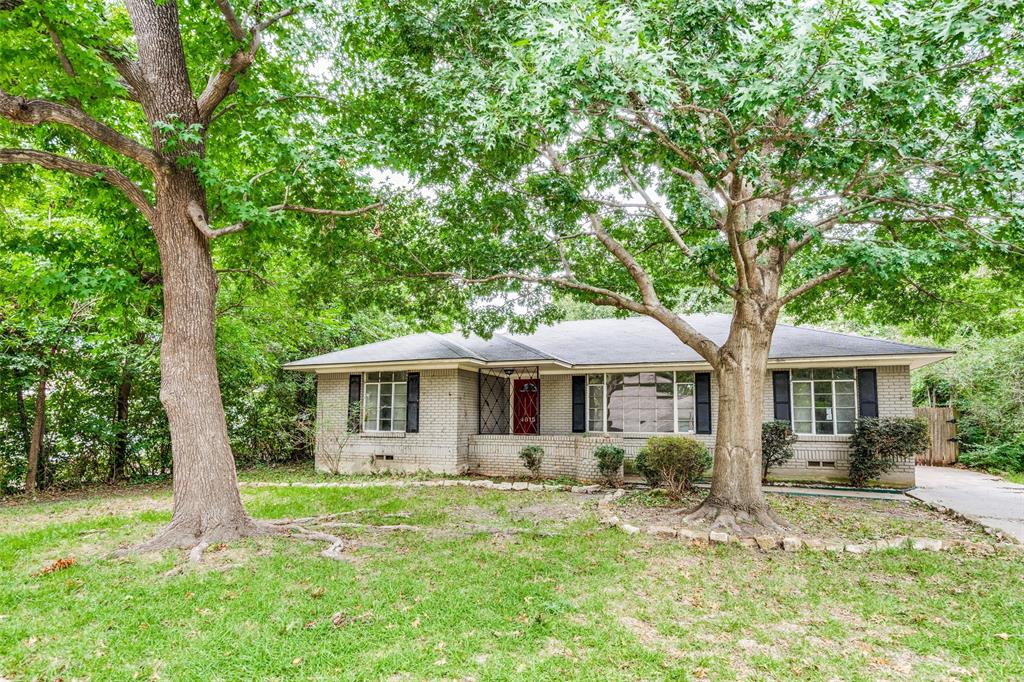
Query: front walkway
989, 500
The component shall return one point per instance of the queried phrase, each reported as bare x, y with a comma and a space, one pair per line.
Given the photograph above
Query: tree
112, 77
646, 155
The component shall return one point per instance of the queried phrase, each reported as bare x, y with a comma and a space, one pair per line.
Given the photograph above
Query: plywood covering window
384, 401
641, 402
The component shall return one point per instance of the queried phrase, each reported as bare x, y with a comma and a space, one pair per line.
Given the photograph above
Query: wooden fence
944, 448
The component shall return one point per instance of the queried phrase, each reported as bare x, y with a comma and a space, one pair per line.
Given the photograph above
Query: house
453, 404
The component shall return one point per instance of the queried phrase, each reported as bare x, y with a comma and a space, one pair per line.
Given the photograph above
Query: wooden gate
944, 448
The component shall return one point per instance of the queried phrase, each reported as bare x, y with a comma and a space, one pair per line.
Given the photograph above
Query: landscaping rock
481, 484
978, 547
628, 529
926, 545
503, 486
662, 531
749, 543
520, 485
814, 544
792, 543
718, 536
555, 488
610, 520
858, 549
766, 542
833, 546
896, 543
585, 488
535, 487
691, 535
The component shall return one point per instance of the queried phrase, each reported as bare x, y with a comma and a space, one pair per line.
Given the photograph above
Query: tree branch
673, 232
86, 170
223, 83
37, 111
792, 294
235, 26
195, 212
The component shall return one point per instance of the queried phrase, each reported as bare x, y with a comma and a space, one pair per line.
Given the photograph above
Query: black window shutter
355, 396
867, 392
780, 393
412, 402
579, 403
702, 389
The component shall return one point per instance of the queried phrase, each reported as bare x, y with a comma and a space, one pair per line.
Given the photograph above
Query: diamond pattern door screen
509, 400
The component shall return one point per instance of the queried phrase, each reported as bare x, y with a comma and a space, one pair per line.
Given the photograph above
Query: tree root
736, 519
178, 535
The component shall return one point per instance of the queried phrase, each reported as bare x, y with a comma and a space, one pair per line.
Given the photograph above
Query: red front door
525, 405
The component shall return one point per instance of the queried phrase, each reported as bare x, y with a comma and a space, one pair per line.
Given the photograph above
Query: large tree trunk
36, 453
736, 501
207, 506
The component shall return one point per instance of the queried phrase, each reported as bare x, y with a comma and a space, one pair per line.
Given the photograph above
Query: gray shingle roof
629, 341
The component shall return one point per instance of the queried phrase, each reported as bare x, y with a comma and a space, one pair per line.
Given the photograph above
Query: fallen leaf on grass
58, 565
1003, 635
297, 661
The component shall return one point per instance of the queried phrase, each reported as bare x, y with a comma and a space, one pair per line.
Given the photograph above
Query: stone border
792, 543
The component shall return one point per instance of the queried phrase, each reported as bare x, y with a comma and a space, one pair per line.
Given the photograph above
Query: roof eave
448, 363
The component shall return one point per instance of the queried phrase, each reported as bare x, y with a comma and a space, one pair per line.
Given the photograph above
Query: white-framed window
641, 402
384, 401
824, 400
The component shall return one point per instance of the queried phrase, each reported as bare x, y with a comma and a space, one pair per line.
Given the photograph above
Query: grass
1014, 477
573, 600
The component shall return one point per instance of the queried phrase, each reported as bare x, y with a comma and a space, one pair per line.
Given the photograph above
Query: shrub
640, 464
994, 456
532, 456
673, 461
879, 444
983, 383
609, 460
777, 440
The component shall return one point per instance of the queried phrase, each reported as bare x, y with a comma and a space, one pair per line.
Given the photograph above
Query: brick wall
833, 452
448, 441
437, 447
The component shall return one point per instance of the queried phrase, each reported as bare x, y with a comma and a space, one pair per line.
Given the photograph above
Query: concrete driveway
986, 499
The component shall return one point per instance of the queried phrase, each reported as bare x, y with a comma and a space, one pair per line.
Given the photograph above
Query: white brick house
455, 404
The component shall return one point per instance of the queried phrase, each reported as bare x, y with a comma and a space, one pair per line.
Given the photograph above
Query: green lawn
564, 598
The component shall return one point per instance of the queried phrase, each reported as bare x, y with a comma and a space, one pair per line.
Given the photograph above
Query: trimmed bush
532, 456
879, 444
609, 461
675, 462
777, 440
640, 464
